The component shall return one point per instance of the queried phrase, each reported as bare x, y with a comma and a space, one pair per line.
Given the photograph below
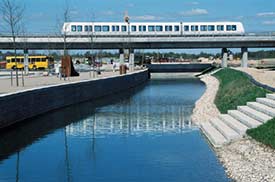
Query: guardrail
39, 35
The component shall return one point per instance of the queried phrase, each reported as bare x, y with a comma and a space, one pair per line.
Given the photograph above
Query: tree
12, 17
66, 18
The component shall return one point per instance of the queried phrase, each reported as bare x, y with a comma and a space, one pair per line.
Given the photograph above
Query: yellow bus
35, 62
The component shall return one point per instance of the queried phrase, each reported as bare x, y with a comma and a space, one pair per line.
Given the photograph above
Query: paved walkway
264, 76
38, 81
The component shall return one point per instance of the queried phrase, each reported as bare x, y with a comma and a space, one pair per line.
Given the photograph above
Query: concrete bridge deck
133, 42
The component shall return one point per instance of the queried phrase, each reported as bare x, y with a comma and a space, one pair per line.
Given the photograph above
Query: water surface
144, 134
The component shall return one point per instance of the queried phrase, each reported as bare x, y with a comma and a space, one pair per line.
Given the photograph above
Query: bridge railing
54, 34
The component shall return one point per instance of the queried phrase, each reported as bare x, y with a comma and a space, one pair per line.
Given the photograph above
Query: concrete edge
259, 84
67, 84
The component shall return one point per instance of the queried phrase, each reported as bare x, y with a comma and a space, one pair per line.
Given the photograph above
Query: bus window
43, 59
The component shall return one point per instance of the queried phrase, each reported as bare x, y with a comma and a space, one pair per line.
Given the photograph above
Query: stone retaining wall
16, 107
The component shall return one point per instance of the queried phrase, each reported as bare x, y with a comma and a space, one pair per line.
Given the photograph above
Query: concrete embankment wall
16, 107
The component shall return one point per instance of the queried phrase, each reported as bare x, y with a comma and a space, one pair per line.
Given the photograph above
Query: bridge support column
131, 60
224, 57
121, 56
244, 57
26, 61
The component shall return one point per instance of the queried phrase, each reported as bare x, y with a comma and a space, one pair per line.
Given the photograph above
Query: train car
153, 28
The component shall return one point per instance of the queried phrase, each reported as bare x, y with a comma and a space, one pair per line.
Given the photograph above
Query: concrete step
213, 135
233, 123
266, 101
263, 108
270, 96
243, 118
259, 116
224, 129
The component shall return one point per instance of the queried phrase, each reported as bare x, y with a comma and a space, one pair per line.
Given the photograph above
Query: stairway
232, 126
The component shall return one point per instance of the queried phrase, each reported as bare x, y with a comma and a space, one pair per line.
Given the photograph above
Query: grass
264, 133
235, 90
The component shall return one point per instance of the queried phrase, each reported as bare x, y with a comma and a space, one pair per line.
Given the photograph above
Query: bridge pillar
224, 57
26, 61
121, 56
244, 57
132, 60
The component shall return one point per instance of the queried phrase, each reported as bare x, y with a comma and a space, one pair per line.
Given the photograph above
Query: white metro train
152, 28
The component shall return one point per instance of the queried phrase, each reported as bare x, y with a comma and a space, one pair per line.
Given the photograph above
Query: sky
45, 16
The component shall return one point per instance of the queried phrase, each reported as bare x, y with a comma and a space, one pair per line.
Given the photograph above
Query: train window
194, 28
220, 27
73, 28
203, 28
105, 28
177, 28
134, 28
97, 28
123, 28
159, 28
90, 28
151, 28
168, 28
79, 28
228, 27
115, 28
86, 28
186, 28
211, 28
142, 28
234, 28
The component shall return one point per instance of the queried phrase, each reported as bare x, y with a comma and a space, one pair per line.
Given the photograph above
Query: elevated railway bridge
130, 43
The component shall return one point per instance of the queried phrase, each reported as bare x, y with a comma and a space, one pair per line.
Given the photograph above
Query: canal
144, 134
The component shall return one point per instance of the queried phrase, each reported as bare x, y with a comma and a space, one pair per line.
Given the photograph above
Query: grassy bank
264, 133
235, 90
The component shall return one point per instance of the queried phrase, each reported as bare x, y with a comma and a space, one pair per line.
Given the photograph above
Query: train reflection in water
106, 122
